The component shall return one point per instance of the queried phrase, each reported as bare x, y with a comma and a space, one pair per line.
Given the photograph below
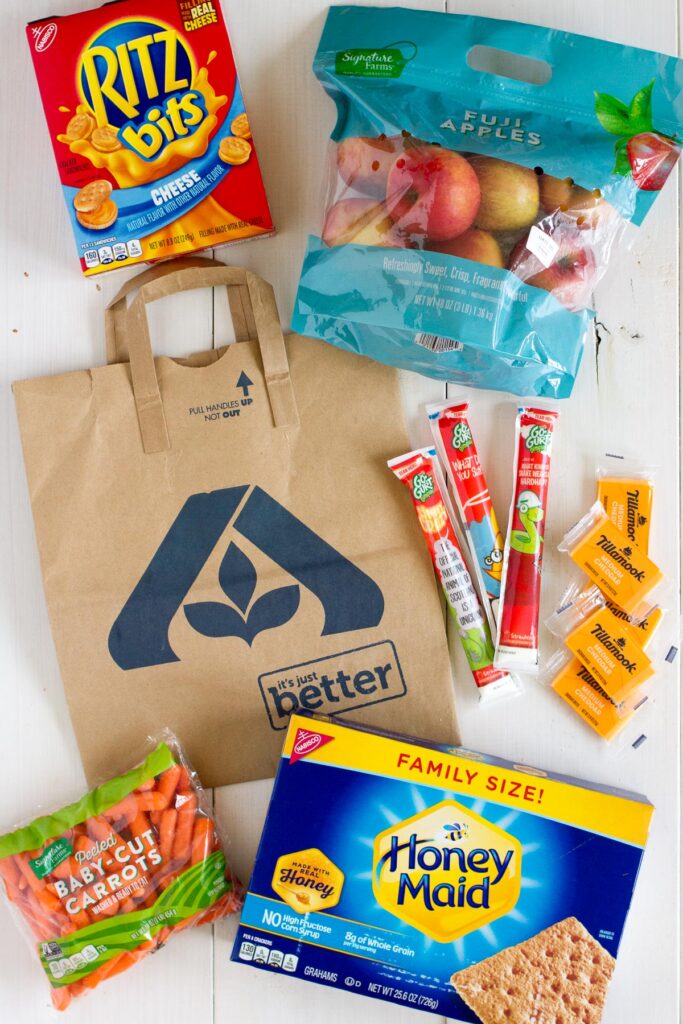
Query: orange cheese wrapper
622, 571
645, 629
607, 647
575, 685
628, 503
626, 491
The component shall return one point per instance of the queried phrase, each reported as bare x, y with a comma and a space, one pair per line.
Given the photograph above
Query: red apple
475, 245
432, 193
361, 221
652, 158
509, 194
569, 277
364, 162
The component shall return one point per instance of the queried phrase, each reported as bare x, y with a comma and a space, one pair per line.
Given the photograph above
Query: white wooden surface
51, 320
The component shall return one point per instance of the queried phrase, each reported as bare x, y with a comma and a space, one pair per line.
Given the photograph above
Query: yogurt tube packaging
439, 879
481, 174
420, 472
449, 422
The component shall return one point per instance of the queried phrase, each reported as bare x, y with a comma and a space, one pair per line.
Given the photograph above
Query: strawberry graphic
640, 150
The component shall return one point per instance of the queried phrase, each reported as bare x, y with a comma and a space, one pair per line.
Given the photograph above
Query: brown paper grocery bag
221, 541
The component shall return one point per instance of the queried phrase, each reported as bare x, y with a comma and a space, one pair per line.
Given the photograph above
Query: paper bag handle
254, 312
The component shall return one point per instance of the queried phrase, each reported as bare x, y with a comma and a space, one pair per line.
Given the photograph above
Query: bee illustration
456, 831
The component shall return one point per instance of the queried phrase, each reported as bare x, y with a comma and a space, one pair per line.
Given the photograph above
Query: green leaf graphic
612, 114
622, 164
640, 110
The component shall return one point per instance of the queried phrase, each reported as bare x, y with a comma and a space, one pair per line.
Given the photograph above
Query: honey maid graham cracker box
147, 121
440, 879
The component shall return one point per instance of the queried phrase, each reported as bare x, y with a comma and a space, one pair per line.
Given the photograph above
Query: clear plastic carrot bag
482, 176
104, 881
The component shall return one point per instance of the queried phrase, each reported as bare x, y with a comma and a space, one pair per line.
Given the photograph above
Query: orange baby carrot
139, 825
61, 997
182, 844
147, 785
34, 883
202, 839
83, 844
124, 811
102, 832
167, 829
224, 906
11, 876
9, 869
153, 801
168, 782
81, 919
49, 902
184, 785
40, 922
69, 866
120, 962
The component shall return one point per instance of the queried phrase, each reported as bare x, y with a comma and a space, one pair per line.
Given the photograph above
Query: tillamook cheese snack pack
151, 138
439, 879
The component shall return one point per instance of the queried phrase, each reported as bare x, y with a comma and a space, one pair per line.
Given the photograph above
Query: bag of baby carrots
101, 883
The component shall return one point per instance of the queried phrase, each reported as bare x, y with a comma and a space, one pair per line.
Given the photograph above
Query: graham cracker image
559, 976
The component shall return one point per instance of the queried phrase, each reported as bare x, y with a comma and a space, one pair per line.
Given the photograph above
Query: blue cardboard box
392, 868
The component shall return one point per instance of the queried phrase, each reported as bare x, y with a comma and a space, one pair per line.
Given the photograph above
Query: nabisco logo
305, 742
44, 36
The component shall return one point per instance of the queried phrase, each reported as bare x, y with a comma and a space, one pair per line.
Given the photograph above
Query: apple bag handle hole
506, 64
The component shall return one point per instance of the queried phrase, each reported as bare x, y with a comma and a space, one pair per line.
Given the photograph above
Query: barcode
435, 343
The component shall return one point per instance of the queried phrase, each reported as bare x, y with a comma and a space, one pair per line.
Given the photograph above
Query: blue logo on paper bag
351, 600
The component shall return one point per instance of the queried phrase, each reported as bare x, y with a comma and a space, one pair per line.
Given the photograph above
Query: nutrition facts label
68, 964
109, 254
258, 954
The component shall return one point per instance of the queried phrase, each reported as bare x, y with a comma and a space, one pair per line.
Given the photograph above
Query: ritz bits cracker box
148, 125
440, 879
